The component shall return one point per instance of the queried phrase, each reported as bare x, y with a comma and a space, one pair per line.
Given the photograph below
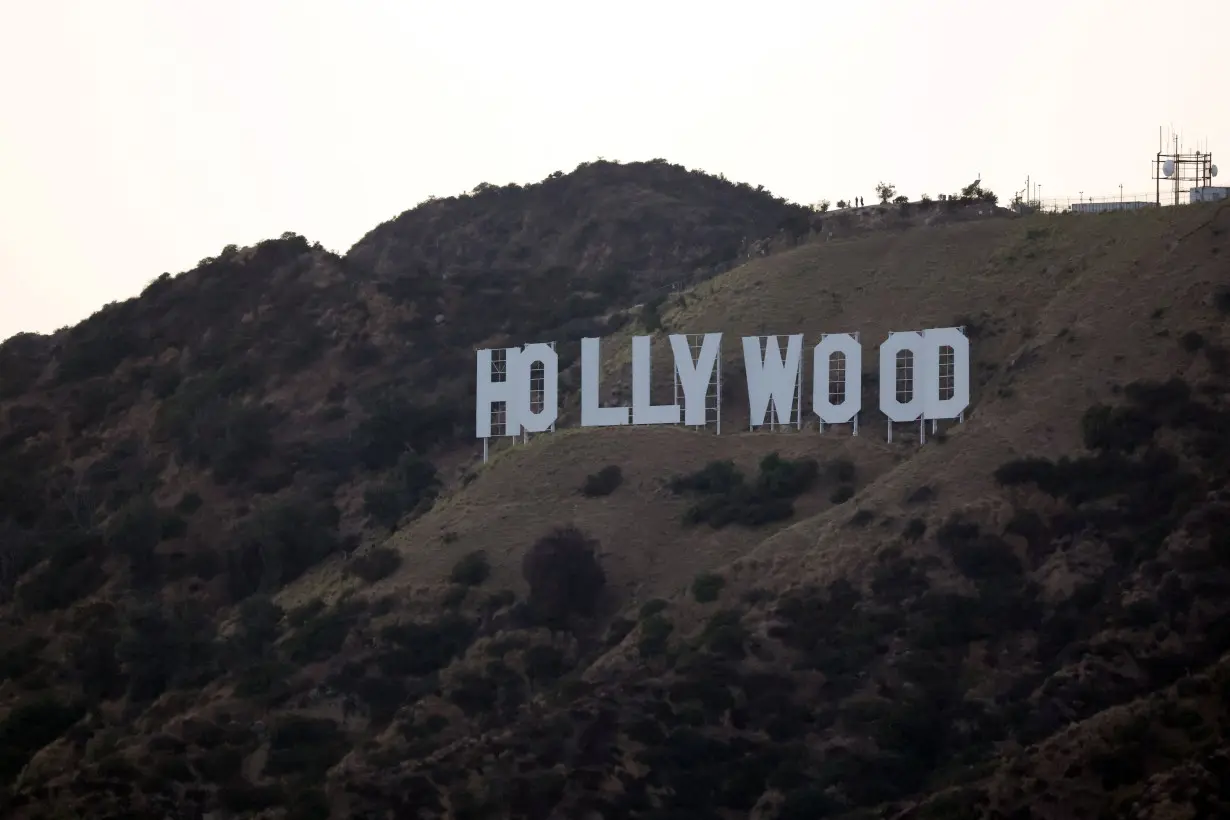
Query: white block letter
543, 354
947, 373
491, 391
643, 411
901, 364
837, 378
695, 377
770, 377
591, 368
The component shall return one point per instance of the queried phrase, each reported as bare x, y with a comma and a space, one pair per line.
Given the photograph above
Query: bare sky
138, 136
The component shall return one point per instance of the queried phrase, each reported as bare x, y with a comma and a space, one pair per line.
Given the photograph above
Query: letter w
771, 377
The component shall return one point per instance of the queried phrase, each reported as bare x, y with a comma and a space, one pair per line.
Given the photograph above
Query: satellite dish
1212, 170
1168, 167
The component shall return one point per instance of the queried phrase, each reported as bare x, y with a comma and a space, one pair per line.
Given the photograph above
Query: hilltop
251, 565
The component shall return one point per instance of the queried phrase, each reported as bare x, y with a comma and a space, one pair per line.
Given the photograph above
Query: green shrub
423, 648
305, 746
544, 662
707, 586
471, 570
397, 423
411, 487
564, 575
841, 470
602, 483
321, 635
725, 634
652, 607
726, 498
655, 632
1116, 428
1221, 298
1191, 341
29, 727
651, 317
279, 543
375, 565
975, 554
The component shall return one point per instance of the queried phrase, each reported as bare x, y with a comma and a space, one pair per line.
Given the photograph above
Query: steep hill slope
282, 377
963, 629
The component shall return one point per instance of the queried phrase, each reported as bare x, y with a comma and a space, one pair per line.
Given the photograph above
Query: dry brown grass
647, 551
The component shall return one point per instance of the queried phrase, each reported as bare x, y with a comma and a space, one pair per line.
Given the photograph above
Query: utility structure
1177, 168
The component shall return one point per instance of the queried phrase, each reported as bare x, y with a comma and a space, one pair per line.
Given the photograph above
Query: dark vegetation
603, 482
564, 575
211, 387
890, 666
726, 497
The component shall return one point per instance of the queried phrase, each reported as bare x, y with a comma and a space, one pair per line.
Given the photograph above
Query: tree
823, 205
563, 574
885, 192
979, 194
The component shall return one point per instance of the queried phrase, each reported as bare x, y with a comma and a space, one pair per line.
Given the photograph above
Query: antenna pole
1157, 170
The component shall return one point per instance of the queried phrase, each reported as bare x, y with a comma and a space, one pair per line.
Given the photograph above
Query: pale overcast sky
138, 136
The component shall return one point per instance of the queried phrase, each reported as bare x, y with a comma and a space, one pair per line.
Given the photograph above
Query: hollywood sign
924, 376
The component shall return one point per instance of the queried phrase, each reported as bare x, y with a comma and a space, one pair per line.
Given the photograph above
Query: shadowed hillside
1020, 619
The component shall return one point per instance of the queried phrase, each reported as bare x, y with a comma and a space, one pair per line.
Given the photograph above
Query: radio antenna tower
1178, 168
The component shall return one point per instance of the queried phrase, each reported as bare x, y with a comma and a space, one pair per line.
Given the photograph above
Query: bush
279, 543
543, 662
1116, 428
725, 634
410, 488
707, 586
726, 498
841, 470
1191, 341
425, 648
652, 607
214, 428
655, 633
1221, 298
604, 482
28, 728
471, 570
564, 575
977, 555
651, 316
306, 746
375, 565
396, 424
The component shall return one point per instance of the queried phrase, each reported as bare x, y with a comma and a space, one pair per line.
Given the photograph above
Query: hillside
1019, 619
285, 377
1013, 635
